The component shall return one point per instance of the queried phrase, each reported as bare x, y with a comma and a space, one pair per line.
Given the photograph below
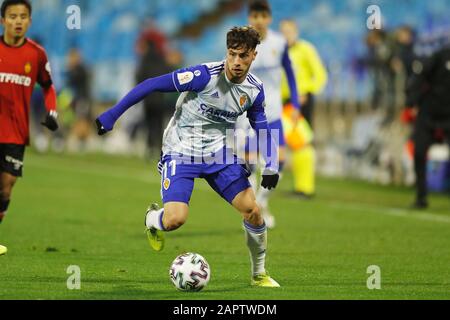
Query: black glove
270, 179
50, 121
100, 129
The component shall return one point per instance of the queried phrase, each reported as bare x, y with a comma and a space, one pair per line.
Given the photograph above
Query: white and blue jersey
271, 61
208, 106
268, 66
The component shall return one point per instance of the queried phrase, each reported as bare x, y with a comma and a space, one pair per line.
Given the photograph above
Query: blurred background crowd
358, 130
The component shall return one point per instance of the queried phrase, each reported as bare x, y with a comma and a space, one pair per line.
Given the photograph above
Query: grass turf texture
89, 211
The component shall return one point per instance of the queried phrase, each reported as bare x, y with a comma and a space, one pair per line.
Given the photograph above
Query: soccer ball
190, 272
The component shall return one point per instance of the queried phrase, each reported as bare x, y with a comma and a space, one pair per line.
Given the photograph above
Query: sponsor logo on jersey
217, 114
216, 95
185, 77
15, 79
27, 68
166, 184
197, 73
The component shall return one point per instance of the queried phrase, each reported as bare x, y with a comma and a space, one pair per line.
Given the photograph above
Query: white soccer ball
190, 272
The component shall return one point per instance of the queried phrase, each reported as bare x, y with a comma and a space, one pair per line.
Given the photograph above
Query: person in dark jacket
428, 93
156, 108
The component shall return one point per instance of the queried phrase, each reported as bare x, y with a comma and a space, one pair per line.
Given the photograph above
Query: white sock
155, 220
257, 245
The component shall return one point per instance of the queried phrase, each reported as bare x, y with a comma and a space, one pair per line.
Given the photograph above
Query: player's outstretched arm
105, 122
189, 79
258, 121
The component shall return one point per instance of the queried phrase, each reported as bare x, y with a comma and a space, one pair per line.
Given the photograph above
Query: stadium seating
110, 28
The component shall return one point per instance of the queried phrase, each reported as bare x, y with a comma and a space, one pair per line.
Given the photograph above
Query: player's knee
252, 214
174, 220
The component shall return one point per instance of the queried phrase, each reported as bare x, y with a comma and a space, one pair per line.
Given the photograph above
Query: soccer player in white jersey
272, 60
213, 96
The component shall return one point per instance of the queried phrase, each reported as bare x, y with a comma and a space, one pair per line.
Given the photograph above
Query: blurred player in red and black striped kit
22, 64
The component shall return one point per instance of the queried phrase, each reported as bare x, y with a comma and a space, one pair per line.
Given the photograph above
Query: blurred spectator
308, 67
38, 111
311, 78
379, 61
78, 82
155, 59
429, 91
404, 56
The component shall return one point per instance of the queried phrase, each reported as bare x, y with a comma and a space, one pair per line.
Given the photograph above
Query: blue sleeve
287, 65
190, 79
258, 120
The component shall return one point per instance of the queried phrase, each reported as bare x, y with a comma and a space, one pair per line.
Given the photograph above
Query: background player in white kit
272, 60
213, 96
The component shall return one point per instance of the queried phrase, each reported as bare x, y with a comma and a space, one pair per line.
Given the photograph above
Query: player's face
290, 31
239, 62
260, 21
17, 21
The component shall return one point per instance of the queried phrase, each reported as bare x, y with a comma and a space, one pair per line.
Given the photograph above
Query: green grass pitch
89, 210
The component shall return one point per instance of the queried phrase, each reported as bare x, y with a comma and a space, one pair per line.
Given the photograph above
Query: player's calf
175, 215
172, 217
7, 183
253, 215
3, 208
245, 203
158, 221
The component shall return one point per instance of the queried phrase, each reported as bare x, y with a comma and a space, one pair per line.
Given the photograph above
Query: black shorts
11, 158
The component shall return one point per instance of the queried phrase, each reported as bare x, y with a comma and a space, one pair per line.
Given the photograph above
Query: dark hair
259, 6
243, 37
8, 3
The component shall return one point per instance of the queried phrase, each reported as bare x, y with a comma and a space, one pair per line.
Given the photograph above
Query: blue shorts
252, 142
177, 178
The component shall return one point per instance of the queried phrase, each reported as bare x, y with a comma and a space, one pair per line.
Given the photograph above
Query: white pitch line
360, 207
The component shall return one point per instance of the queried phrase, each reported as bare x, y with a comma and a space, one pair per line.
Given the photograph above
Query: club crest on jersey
166, 184
27, 68
243, 101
